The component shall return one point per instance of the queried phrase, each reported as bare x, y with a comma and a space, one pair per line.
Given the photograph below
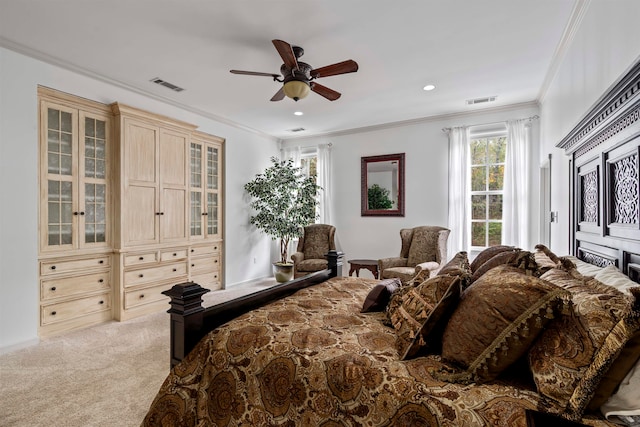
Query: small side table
369, 264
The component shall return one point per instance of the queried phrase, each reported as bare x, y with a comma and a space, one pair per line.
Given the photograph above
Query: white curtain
459, 191
324, 181
294, 153
515, 202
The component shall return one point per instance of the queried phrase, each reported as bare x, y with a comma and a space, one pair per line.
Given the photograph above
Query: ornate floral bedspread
314, 360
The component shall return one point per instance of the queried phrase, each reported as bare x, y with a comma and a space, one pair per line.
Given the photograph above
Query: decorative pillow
424, 244
497, 319
489, 253
611, 276
379, 296
458, 266
545, 260
583, 267
417, 304
624, 363
570, 358
429, 337
524, 260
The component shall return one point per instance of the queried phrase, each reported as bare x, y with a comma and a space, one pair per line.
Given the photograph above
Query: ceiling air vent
167, 84
481, 100
297, 130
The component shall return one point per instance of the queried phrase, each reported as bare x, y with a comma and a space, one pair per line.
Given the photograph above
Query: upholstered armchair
317, 240
423, 251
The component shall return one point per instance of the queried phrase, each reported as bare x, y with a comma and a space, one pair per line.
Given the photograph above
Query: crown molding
417, 121
575, 20
41, 56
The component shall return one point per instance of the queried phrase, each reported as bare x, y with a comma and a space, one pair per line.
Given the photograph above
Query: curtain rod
535, 117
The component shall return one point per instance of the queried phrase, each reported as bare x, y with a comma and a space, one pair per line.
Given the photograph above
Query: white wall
605, 45
246, 154
426, 149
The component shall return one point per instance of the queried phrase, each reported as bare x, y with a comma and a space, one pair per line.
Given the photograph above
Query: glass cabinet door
74, 146
205, 182
59, 125
212, 190
94, 215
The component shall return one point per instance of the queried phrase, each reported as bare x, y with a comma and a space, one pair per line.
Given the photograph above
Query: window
487, 184
309, 165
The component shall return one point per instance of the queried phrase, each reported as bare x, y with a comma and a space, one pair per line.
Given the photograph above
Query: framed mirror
382, 185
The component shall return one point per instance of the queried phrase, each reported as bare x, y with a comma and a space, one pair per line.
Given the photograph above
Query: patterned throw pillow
489, 253
571, 356
417, 303
524, 260
458, 266
497, 319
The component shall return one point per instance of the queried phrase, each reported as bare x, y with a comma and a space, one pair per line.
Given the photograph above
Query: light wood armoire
130, 204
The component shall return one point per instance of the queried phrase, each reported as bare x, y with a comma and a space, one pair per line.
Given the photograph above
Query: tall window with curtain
489, 187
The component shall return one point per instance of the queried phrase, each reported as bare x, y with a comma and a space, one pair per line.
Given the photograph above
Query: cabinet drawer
63, 266
171, 255
140, 258
154, 274
209, 281
62, 311
144, 296
69, 286
205, 264
204, 250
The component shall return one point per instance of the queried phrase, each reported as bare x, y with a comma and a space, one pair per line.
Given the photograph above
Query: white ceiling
467, 48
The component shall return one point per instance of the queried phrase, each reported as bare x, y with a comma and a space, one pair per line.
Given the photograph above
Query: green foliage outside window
487, 183
379, 197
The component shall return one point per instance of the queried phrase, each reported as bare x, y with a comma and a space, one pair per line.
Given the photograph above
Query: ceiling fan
298, 77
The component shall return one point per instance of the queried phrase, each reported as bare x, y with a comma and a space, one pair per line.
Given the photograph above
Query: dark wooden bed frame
604, 151
190, 321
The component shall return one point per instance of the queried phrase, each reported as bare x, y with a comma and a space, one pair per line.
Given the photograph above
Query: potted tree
284, 201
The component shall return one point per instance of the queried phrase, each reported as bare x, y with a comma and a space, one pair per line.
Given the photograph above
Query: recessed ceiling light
298, 113
429, 87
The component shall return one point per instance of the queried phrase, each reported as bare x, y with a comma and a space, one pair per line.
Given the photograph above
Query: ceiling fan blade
344, 67
286, 53
254, 73
330, 94
279, 96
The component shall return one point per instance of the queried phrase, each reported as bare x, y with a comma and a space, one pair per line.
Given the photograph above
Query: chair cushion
403, 273
424, 246
312, 265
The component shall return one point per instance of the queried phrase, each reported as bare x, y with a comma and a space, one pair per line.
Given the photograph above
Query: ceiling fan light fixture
296, 89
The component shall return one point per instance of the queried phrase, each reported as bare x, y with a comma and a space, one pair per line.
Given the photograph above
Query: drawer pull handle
141, 275
101, 261
175, 269
141, 296
101, 281
175, 254
215, 261
141, 258
53, 288
193, 250
53, 313
193, 265
101, 302
53, 267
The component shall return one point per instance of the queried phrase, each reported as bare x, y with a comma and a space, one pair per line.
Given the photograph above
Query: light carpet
106, 375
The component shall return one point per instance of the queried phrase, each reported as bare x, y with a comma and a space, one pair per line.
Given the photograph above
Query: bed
516, 332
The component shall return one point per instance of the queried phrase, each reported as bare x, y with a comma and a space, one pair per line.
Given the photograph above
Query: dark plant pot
282, 272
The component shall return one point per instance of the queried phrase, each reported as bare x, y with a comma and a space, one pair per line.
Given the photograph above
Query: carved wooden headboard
605, 178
